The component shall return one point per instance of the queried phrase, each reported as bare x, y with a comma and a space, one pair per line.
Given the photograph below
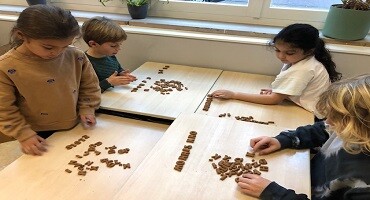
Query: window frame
256, 12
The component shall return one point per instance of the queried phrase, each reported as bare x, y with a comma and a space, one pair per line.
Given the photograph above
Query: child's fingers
34, 150
92, 120
266, 151
217, 95
123, 80
42, 140
88, 120
114, 74
260, 145
253, 141
249, 176
41, 147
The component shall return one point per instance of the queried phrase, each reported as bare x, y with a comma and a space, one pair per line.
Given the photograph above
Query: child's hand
88, 120
125, 79
252, 184
127, 71
265, 91
34, 145
131, 77
265, 145
223, 94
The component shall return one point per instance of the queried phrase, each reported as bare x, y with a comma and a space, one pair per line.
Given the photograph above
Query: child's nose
281, 55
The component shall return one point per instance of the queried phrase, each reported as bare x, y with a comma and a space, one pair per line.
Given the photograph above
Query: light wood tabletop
157, 179
44, 177
286, 114
194, 83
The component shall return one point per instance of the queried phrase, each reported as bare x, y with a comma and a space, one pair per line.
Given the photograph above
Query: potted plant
34, 2
348, 21
138, 9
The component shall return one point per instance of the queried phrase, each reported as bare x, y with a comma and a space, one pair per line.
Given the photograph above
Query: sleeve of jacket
89, 94
276, 192
12, 122
104, 85
304, 137
357, 194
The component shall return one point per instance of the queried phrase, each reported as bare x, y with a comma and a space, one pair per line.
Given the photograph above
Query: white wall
204, 53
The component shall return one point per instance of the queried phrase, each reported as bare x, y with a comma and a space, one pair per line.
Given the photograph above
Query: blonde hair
347, 105
101, 30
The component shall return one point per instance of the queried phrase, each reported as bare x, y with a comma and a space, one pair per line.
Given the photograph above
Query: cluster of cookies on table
207, 105
162, 86
228, 167
246, 119
83, 168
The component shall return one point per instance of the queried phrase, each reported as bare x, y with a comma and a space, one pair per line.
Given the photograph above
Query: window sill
219, 31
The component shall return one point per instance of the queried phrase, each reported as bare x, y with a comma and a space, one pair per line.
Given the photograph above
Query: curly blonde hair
346, 104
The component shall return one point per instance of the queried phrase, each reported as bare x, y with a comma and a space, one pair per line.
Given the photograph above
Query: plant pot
138, 12
346, 24
34, 2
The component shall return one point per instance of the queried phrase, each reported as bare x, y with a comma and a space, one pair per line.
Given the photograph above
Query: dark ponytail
306, 37
323, 55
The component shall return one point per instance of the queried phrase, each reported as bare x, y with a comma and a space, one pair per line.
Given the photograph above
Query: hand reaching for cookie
34, 145
223, 94
124, 79
264, 145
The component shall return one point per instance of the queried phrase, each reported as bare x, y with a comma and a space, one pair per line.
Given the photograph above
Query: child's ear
92, 43
19, 35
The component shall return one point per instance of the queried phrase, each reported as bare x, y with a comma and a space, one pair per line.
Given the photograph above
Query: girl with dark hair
45, 83
308, 70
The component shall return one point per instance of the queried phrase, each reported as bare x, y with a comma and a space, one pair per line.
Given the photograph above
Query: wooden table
286, 114
197, 81
156, 178
44, 177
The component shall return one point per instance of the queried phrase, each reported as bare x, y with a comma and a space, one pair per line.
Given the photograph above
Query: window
312, 4
263, 12
266, 12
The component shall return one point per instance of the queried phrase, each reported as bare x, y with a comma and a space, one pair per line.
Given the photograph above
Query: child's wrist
107, 79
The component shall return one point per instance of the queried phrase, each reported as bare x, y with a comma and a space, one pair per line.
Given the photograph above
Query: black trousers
45, 134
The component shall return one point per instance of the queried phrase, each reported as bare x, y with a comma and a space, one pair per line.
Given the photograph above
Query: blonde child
104, 38
45, 84
341, 168
308, 70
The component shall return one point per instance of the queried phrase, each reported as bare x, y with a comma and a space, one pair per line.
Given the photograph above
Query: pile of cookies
162, 86
228, 167
165, 87
87, 166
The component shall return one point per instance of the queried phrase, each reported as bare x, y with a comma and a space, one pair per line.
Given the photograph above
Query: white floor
9, 152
